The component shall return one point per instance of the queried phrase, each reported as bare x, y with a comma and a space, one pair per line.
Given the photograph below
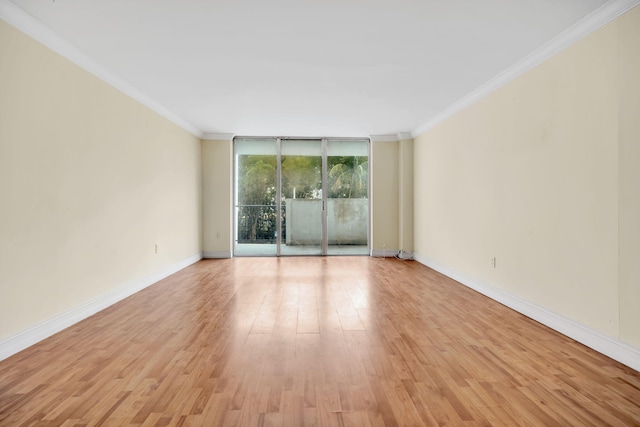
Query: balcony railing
258, 223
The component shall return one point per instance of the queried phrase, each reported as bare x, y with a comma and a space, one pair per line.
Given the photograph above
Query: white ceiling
307, 67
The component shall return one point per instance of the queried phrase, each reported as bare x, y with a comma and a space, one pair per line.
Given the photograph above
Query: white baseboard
609, 346
385, 253
16, 343
216, 254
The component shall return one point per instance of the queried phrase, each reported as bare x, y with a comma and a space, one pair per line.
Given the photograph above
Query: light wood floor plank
342, 341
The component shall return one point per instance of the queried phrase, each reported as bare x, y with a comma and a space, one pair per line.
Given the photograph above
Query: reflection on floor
262, 249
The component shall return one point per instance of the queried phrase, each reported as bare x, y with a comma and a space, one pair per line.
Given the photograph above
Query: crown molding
384, 138
212, 136
601, 16
29, 25
402, 136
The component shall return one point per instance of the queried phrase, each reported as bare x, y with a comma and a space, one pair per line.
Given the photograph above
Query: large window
301, 196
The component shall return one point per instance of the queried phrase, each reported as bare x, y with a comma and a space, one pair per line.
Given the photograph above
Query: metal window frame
324, 154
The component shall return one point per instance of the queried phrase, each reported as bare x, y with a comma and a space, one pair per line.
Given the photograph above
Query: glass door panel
255, 206
301, 196
347, 197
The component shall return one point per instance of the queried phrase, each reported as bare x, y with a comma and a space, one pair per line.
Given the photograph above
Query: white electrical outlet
217, 235
493, 262
157, 248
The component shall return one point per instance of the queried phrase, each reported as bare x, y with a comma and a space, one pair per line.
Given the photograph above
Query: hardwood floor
347, 341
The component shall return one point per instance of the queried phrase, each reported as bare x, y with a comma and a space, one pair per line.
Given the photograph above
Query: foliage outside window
347, 178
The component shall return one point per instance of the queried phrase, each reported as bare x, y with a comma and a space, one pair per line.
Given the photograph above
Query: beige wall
406, 195
392, 196
385, 199
217, 198
530, 174
629, 174
90, 181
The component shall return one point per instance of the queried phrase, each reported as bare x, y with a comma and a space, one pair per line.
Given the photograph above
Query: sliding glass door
256, 219
347, 197
301, 196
